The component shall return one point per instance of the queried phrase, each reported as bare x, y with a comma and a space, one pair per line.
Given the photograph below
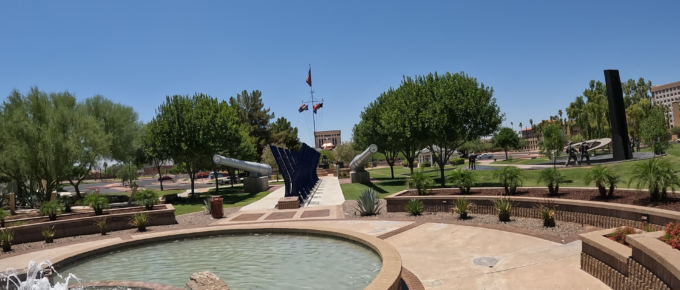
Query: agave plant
552, 178
48, 234
461, 207
103, 226
50, 209
206, 206
97, 202
6, 236
547, 212
421, 181
140, 220
657, 175
368, 203
603, 177
3, 215
503, 206
147, 197
414, 207
510, 177
463, 179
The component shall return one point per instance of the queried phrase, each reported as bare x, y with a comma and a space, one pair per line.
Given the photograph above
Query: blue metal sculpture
298, 169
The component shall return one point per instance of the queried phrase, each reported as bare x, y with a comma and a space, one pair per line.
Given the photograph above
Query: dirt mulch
631, 197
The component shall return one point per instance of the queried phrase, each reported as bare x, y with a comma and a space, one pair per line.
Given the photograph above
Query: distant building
675, 111
327, 139
667, 95
532, 136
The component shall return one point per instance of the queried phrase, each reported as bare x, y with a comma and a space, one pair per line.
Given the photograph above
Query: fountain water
37, 278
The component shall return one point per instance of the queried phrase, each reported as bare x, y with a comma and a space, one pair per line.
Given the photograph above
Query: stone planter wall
599, 214
639, 267
161, 215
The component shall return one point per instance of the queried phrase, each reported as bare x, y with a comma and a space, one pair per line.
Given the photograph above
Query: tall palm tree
512, 125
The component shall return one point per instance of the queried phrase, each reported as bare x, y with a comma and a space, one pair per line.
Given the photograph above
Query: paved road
110, 187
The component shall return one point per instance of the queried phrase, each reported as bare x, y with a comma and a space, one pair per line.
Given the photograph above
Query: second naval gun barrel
362, 158
256, 169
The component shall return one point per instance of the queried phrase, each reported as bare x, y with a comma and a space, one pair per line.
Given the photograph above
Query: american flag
309, 77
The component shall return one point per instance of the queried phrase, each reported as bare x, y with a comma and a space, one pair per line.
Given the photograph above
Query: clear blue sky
537, 55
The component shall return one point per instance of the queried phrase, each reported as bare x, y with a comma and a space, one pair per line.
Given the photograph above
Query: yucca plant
552, 178
368, 203
421, 181
147, 197
48, 234
603, 177
463, 179
3, 215
6, 236
103, 226
97, 202
414, 207
656, 175
547, 212
206, 206
140, 220
503, 207
510, 177
461, 207
50, 209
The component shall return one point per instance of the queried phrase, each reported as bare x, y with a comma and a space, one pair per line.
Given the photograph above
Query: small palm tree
421, 181
552, 178
463, 179
510, 177
657, 175
147, 198
603, 177
97, 202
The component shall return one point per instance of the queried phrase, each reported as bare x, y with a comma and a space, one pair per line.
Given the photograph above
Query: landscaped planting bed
75, 215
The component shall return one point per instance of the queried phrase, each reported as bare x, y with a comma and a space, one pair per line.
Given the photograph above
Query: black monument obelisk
617, 116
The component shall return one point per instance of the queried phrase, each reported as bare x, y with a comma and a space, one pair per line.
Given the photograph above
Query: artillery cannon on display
258, 173
358, 173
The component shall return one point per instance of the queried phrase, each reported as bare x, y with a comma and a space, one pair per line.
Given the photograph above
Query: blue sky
536, 55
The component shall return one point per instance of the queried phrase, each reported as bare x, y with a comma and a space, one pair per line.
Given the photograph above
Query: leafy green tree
401, 121
553, 140
370, 130
127, 172
282, 133
345, 152
251, 111
152, 150
634, 91
654, 129
120, 123
268, 158
194, 128
676, 131
635, 113
507, 139
457, 109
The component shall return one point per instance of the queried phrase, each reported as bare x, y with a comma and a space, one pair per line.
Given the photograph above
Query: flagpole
311, 92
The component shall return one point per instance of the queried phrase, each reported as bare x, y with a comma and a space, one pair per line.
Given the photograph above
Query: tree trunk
217, 187
441, 170
611, 191
602, 190
158, 167
75, 185
193, 177
506, 153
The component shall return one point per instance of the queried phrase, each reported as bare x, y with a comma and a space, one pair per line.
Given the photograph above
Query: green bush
140, 220
552, 178
147, 198
6, 236
547, 213
50, 209
421, 181
510, 177
603, 177
503, 207
426, 164
463, 179
414, 207
461, 207
97, 202
3, 215
368, 203
457, 161
657, 176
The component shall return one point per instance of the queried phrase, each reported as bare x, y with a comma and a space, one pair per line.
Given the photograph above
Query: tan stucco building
325, 137
668, 95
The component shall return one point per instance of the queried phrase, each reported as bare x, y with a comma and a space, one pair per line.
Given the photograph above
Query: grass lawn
573, 175
526, 161
232, 197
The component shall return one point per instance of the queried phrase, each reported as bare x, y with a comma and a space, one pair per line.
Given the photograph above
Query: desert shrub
147, 197
552, 178
140, 220
414, 207
671, 235
97, 202
461, 207
656, 175
547, 212
457, 161
503, 207
619, 235
603, 177
6, 236
103, 226
463, 179
50, 209
48, 234
421, 181
368, 203
3, 215
510, 177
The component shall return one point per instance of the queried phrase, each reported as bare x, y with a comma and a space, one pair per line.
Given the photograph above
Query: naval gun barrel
256, 169
362, 158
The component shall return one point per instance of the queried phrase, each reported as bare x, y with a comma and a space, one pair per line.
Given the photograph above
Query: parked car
485, 156
166, 177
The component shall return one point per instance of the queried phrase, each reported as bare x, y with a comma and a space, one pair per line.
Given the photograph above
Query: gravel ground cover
620, 196
185, 221
67, 216
562, 229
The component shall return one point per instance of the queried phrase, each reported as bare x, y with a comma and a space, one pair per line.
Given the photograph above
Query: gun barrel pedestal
255, 184
358, 174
